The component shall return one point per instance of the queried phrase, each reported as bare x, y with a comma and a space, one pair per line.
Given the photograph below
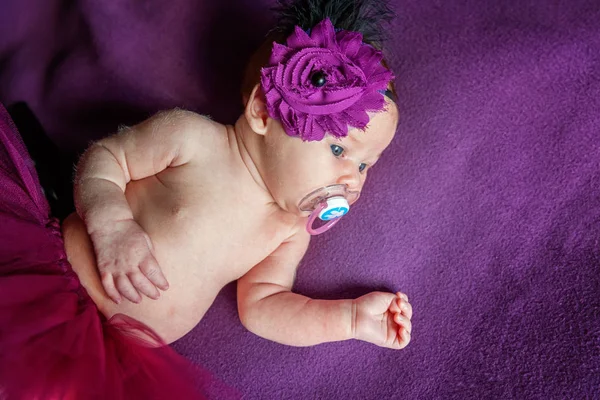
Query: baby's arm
268, 308
123, 250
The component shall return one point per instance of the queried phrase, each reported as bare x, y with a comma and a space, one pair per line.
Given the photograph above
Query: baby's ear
256, 111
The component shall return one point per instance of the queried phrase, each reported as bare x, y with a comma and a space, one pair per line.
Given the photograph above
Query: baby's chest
219, 220
235, 234
221, 236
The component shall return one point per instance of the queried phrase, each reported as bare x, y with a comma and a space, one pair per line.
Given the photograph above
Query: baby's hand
383, 319
126, 262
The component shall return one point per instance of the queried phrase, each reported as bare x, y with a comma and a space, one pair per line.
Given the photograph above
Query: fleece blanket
485, 210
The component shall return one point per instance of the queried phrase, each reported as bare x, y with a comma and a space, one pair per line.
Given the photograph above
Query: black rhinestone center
318, 79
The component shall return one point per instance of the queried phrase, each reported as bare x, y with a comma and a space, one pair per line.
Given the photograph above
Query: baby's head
320, 101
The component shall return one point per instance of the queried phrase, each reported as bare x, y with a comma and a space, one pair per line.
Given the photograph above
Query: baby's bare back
209, 224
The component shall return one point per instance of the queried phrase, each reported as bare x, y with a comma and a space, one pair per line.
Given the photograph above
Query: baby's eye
362, 167
336, 150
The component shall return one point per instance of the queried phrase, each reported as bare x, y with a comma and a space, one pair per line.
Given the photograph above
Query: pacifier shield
328, 204
336, 207
310, 202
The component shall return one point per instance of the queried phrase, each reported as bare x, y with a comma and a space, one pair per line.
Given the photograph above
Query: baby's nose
350, 177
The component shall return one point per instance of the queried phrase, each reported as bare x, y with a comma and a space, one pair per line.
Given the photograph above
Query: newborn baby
173, 209
185, 203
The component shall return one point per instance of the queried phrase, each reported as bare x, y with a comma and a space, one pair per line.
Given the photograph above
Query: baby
173, 209
184, 203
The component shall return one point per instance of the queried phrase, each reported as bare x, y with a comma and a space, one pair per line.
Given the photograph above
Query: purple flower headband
321, 82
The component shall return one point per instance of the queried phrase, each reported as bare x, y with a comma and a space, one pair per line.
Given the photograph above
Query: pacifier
329, 204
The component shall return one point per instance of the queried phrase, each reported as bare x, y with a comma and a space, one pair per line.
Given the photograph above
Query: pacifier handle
314, 215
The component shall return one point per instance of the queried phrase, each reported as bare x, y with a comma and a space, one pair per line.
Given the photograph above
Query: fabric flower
323, 82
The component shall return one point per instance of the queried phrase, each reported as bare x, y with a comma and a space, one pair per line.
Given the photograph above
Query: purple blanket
485, 210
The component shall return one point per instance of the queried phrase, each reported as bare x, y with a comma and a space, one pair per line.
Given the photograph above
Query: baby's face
296, 168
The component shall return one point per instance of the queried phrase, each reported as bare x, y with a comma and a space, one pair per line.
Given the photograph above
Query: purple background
485, 210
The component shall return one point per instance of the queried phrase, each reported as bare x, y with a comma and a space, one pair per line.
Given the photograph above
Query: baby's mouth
311, 201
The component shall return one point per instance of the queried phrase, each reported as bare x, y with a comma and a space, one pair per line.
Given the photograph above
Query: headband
323, 81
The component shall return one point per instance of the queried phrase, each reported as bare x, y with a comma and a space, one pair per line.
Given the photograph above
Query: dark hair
364, 16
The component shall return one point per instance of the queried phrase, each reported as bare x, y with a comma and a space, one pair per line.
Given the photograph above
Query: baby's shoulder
201, 125
200, 131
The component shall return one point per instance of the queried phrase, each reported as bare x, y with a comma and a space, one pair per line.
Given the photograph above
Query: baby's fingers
400, 304
403, 338
405, 308
142, 284
152, 271
395, 306
404, 322
109, 287
125, 287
